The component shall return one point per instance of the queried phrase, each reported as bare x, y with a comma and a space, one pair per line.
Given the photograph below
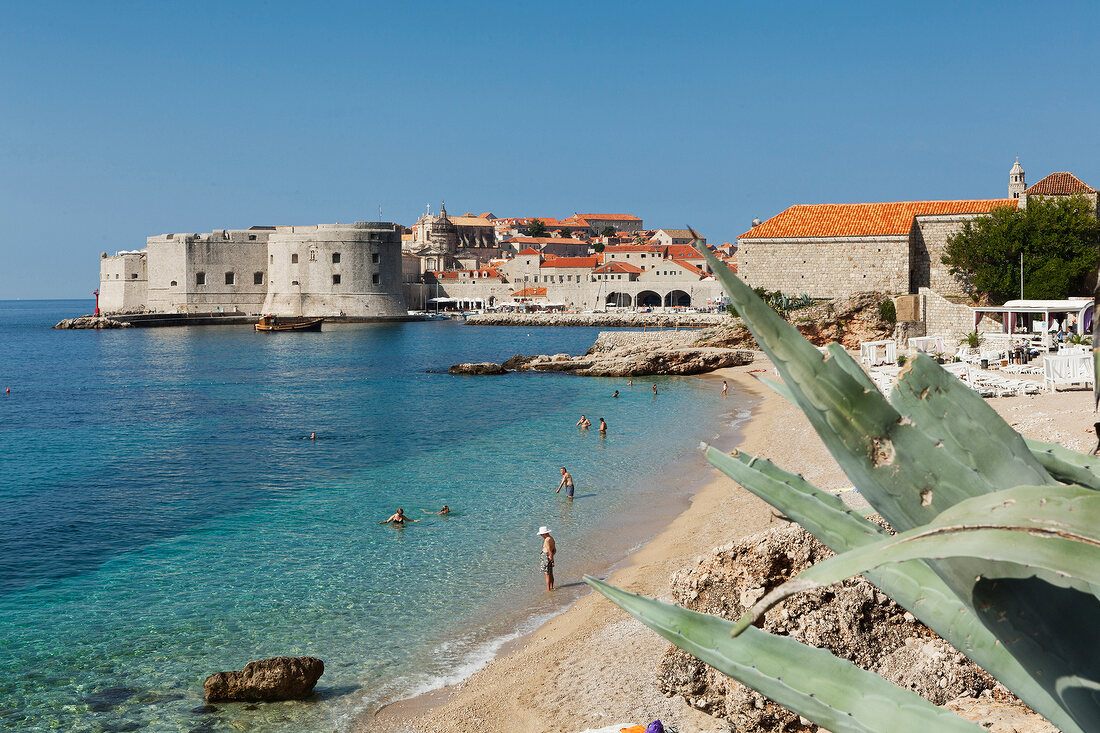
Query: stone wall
826, 268
941, 317
928, 240
613, 340
123, 282
335, 269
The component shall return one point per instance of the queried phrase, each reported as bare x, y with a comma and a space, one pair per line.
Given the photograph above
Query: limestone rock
277, 678
853, 620
481, 367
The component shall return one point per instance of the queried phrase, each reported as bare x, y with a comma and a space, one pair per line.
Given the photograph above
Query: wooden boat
285, 323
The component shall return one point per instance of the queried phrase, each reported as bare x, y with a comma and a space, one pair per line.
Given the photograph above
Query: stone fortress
335, 270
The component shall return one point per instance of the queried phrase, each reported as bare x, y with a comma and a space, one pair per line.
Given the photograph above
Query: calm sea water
162, 515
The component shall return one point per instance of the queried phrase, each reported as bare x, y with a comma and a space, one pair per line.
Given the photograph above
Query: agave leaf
909, 476
811, 682
913, 584
1065, 464
940, 404
1052, 531
845, 361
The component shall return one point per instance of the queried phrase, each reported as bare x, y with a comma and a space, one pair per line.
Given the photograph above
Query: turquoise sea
163, 514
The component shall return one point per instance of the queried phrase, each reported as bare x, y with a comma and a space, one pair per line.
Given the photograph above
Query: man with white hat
548, 550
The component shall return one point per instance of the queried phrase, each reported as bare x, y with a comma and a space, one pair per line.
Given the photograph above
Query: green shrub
887, 311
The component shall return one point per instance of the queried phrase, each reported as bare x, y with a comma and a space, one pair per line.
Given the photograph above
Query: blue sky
121, 120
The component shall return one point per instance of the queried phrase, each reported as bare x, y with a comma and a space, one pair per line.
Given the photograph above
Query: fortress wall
123, 284
929, 242
302, 270
825, 268
214, 260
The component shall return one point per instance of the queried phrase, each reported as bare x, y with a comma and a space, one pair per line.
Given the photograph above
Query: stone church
832, 250
445, 242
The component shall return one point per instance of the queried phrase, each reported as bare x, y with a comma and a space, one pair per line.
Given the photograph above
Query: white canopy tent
1035, 316
928, 344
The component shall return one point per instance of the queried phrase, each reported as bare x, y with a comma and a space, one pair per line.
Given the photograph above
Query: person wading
546, 561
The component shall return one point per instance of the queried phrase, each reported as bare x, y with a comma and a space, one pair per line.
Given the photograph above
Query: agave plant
997, 551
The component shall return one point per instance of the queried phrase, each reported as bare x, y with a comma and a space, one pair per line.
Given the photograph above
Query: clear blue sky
121, 120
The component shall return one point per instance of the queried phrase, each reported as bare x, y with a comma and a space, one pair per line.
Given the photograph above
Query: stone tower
1016, 184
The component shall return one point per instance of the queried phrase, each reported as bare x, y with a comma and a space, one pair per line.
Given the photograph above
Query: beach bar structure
1073, 315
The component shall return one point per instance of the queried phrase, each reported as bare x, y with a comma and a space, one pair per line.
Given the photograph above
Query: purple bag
655, 727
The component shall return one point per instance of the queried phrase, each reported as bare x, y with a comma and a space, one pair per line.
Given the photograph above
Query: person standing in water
399, 519
546, 559
603, 426
584, 422
655, 390
725, 389
566, 482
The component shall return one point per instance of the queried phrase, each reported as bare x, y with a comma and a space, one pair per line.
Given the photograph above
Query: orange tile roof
690, 268
542, 240
618, 267
1062, 183
529, 292
571, 262
683, 252
609, 217
862, 220
529, 251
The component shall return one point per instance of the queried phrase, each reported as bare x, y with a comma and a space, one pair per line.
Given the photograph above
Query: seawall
611, 320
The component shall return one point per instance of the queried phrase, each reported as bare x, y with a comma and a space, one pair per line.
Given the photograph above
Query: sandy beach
593, 666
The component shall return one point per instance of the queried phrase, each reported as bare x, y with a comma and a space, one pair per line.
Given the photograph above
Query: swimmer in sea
313, 436
584, 422
399, 519
603, 426
616, 393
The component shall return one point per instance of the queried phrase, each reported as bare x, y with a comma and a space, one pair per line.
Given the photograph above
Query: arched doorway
677, 299
619, 300
648, 299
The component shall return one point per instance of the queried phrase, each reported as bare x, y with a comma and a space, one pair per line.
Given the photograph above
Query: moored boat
285, 323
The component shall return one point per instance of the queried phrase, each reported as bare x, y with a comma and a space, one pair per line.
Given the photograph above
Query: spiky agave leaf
832, 692
1066, 465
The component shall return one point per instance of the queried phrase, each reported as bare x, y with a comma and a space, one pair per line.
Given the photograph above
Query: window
313, 255
173, 283
133, 276
375, 278
200, 278
272, 260
335, 279
116, 276
335, 257
251, 237
229, 278
257, 278
374, 258
293, 282
294, 259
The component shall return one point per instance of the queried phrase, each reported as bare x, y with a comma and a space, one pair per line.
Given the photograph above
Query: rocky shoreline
96, 322
625, 354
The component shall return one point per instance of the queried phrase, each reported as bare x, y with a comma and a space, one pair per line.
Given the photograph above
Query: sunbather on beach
399, 519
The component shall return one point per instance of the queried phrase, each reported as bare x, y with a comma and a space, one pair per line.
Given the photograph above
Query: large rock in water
277, 678
853, 620
481, 367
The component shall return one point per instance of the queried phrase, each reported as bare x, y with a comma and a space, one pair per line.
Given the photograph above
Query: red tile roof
571, 262
529, 251
543, 240
683, 252
690, 268
529, 293
611, 267
1062, 183
609, 217
862, 220
623, 248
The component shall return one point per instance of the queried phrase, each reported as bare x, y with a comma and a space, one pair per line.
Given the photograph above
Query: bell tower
1016, 184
